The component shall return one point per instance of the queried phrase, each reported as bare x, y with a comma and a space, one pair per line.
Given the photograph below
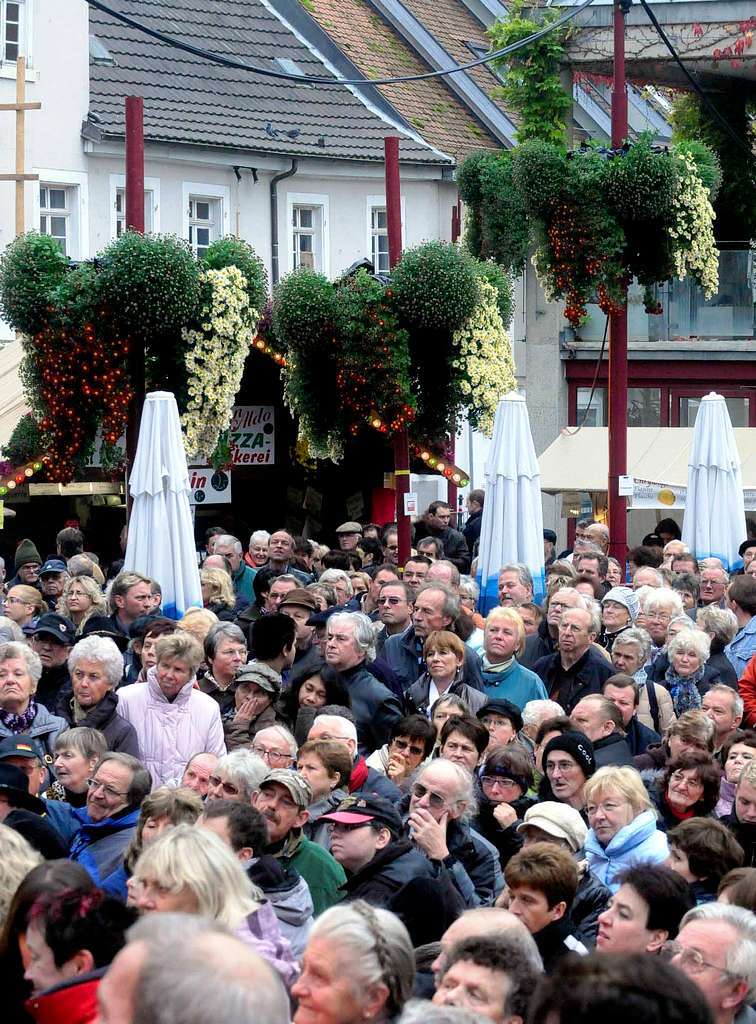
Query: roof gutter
274, 218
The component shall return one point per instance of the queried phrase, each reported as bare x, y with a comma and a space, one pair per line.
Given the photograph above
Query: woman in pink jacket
172, 719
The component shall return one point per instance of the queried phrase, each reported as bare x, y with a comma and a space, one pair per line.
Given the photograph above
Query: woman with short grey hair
720, 625
365, 955
225, 654
20, 715
95, 666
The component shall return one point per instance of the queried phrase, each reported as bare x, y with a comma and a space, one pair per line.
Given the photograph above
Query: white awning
580, 461
12, 402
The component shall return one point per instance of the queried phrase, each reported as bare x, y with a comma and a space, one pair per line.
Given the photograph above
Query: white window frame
26, 36
202, 190
373, 203
152, 201
315, 200
77, 184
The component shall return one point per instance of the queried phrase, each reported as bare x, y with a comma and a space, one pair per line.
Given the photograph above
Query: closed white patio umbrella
714, 523
512, 526
161, 535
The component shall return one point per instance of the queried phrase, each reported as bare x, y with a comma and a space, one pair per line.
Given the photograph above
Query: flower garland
484, 361
214, 359
695, 249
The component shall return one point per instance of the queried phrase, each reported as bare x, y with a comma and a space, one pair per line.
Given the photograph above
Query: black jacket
404, 654
374, 706
722, 664
538, 646
120, 734
658, 671
378, 784
417, 697
745, 835
639, 737
420, 892
591, 899
556, 941
508, 841
54, 680
471, 531
612, 749
568, 686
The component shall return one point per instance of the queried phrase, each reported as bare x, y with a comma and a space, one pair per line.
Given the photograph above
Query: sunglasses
435, 800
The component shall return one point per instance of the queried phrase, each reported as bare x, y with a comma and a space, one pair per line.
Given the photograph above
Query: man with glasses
283, 799
384, 868
714, 582
107, 822
716, 948
395, 603
415, 570
275, 746
442, 802
544, 641
331, 723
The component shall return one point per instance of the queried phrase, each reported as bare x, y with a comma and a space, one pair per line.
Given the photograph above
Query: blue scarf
684, 692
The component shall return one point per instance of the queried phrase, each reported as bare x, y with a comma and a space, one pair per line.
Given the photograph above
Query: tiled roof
428, 105
188, 100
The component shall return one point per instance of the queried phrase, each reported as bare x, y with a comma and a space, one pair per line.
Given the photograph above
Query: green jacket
319, 869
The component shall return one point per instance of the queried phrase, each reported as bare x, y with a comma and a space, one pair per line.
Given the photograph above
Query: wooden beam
20, 106
19, 177
20, 141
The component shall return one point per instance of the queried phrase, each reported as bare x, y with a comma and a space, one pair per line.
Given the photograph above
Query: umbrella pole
618, 323
401, 440
134, 222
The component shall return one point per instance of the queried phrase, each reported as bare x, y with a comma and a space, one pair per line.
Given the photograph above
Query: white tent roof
12, 403
580, 461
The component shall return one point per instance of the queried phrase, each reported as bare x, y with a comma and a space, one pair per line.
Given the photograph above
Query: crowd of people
338, 793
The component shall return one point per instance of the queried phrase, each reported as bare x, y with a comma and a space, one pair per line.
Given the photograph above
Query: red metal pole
618, 326
134, 221
401, 441
451, 487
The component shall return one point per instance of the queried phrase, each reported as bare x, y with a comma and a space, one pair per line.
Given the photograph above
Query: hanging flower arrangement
484, 361
214, 358
598, 218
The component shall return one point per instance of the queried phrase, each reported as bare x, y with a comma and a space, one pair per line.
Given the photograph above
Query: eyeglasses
16, 600
228, 787
562, 767
340, 826
680, 779
658, 617
691, 960
272, 756
492, 781
435, 800
389, 600
114, 794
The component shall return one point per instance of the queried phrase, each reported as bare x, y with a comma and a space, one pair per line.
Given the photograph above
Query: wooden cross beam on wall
20, 107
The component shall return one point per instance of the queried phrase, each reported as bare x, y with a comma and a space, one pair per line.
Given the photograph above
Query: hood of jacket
157, 695
284, 888
98, 829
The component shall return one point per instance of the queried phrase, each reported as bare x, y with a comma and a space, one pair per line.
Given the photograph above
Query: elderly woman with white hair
20, 715
189, 869
95, 666
720, 625
359, 965
687, 654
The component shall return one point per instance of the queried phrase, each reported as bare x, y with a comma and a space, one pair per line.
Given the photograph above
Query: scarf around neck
500, 666
684, 692
19, 723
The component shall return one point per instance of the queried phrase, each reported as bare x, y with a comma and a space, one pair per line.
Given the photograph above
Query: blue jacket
400, 651
516, 683
99, 846
743, 647
640, 842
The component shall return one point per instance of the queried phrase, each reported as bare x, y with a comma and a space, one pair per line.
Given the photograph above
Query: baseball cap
360, 810
258, 672
56, 626
53, 565
300, 598
558, 820
15, 746
350, 527
296, 784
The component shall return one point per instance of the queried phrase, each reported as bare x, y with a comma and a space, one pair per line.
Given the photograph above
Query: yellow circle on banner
666, 497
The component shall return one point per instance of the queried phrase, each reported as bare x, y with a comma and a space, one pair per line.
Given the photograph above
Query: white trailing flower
215, 357
485, 356
695, 249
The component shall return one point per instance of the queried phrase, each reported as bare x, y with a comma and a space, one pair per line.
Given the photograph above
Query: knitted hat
26, 553
578, 746
624, 596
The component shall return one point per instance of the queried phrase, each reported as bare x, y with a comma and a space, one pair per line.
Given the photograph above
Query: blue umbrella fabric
161, 535
512, 526
714, 522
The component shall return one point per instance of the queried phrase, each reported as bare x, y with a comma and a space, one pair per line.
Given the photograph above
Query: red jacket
74, 1002
747, 689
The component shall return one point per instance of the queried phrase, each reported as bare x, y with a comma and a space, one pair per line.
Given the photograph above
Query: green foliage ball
435, 288
31, 267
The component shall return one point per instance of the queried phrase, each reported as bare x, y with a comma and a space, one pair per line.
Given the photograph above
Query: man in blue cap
53, 637
52, 578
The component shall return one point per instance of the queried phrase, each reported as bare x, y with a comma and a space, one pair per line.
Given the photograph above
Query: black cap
15, 786
505, 708
21, 746
56, 626
751, 543
357, 809
101, 625
141, 624
550, 536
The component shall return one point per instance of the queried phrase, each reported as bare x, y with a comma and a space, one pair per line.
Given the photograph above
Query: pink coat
170, 733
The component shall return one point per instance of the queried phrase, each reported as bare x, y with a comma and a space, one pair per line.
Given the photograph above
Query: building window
379, 239
205, 216
12, 14
596, 412
120, 208
644, 407
55, 205
737, 408
307, 236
